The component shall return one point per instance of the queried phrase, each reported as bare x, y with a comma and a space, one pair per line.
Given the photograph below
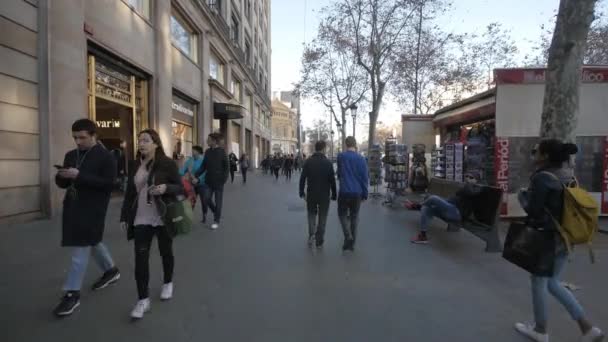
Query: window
235, 89
248, 51
140, 6
183, 37
248, 9
215, 5
235, 28
216, 69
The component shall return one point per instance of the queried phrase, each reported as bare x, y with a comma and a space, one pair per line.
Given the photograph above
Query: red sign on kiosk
605, 179
501, 168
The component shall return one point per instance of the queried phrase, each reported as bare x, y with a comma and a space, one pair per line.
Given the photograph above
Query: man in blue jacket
354, 179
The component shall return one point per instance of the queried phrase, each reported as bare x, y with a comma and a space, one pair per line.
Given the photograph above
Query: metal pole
354, 125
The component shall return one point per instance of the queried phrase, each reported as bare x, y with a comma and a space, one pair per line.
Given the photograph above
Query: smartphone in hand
59, 167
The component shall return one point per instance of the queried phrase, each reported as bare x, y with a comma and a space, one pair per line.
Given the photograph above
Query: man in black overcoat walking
88, 173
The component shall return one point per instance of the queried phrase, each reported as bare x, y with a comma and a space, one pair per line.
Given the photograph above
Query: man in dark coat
87, 174
216, 165
319, 173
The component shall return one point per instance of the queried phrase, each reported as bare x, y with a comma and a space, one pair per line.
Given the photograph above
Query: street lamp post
331, 133
353, 113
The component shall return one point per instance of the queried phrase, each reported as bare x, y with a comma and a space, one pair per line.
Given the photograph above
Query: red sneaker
420, 239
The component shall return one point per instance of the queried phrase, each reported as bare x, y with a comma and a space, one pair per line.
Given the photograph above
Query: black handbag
530, 248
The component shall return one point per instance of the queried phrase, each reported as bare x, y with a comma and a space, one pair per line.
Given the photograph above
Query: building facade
284, 128
183, 67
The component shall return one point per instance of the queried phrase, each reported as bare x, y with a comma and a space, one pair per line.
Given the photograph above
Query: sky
295, 22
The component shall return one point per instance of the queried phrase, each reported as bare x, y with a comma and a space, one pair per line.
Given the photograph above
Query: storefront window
183, 112
216, 69
140, 6
182, 140
183, 37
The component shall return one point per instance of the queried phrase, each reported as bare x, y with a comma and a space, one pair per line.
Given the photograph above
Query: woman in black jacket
153, 183
543, 199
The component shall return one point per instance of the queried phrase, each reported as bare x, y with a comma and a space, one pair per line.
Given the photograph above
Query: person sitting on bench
454, 209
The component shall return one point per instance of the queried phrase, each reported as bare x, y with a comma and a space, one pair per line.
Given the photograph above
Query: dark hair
557, 151
160, 152
84, 125
197, 148
217, 137
350, 142
320, 146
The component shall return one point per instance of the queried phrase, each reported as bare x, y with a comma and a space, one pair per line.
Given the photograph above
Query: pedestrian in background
319, 179
192, 165
216, 167
233, 162
244, 165
288, 164
154, 183
543, 199
354, 179
276, 166
88, 174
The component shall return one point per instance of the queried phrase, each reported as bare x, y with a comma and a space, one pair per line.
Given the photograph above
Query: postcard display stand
397, 162
374, 164
454, 160
438, 162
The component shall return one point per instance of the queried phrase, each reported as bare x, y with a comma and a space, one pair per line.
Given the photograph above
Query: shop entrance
118, 103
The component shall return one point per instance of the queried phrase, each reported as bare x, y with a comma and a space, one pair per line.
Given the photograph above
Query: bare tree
376, 28
445, 72
561, 102
330, 73
596, 51
493, 49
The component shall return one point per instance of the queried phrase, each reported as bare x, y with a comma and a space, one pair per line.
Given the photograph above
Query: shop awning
227, 111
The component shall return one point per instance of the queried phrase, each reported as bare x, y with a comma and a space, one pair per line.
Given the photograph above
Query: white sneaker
141, 308
528, 331
593, 335
215, 226
167, 291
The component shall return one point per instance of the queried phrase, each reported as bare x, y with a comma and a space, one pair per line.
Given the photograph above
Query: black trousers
276, 173
200, 190
232, 175
317, 217
244, 173
348, 213
288, 173
143, 241
215, 192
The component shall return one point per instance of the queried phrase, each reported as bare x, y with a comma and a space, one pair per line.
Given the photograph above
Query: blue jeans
80, 261
540, 285
435, 206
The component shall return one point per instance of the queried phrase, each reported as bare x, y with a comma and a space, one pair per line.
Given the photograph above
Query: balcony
214, 7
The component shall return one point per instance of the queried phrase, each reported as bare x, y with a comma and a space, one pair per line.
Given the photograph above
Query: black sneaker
204, 219
319, 244
349, 245
69, 302
109, 277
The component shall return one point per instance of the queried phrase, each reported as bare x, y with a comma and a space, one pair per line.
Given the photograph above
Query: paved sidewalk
255, 280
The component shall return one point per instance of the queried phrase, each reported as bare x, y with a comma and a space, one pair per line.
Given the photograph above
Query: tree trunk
343, 130
373, 115
561, 102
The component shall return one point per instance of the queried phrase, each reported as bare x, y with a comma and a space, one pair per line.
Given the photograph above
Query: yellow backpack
580, 217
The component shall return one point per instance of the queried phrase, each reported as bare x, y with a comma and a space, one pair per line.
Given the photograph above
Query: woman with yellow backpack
543, 201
